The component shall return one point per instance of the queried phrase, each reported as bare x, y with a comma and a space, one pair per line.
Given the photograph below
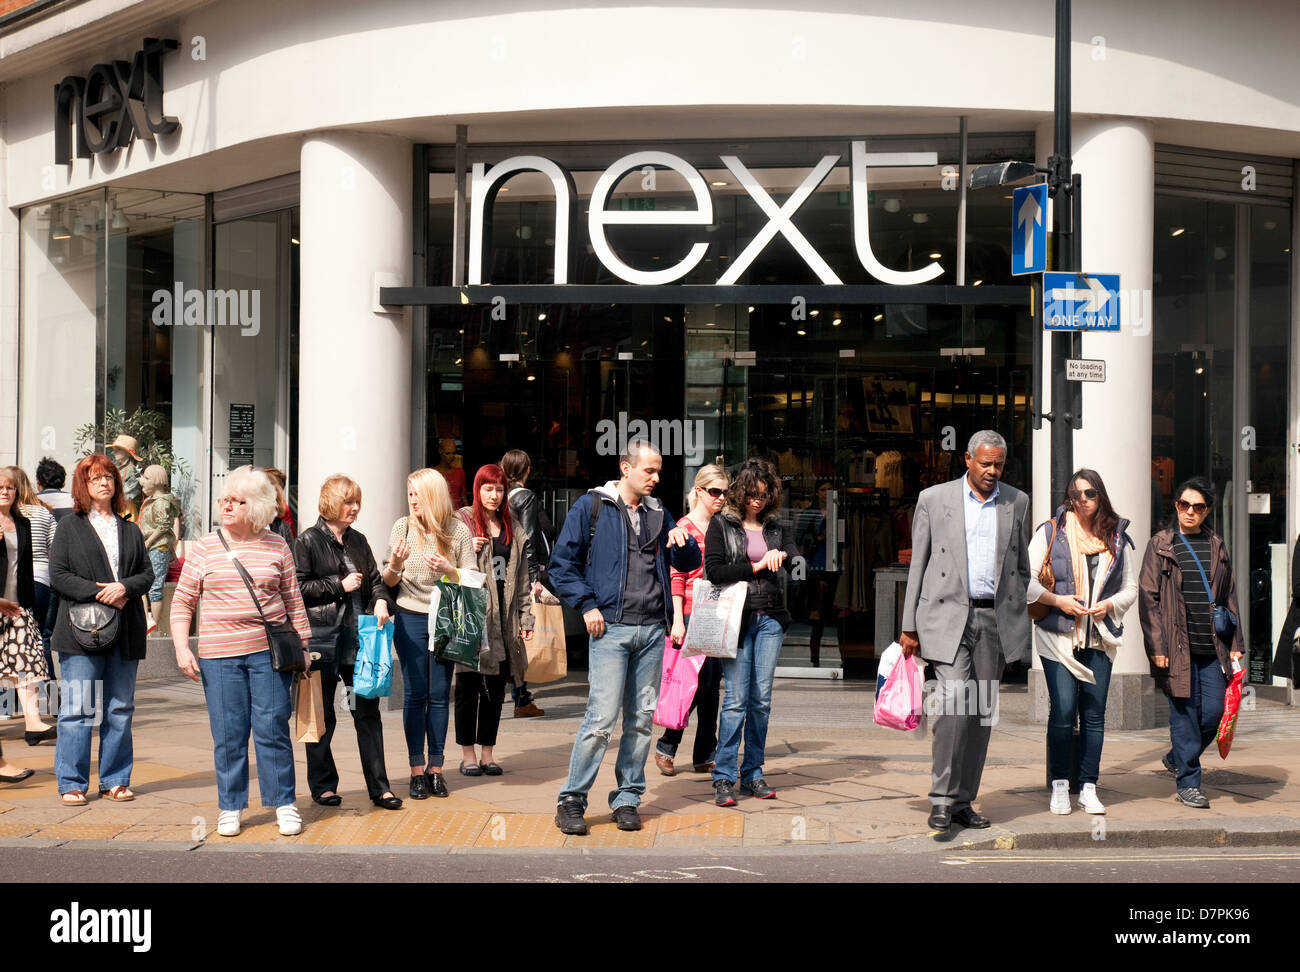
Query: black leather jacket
319, 559
726, 561
531, 521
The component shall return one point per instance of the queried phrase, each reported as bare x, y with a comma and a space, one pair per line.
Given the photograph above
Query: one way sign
1029, 230
1081, 302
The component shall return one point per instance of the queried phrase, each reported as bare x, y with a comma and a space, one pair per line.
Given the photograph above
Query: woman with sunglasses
1186, 573
1087, 545
704, 500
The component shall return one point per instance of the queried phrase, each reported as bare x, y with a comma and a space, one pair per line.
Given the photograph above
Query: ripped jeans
625, 664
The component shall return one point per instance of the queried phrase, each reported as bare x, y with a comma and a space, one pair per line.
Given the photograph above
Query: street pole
1065, 256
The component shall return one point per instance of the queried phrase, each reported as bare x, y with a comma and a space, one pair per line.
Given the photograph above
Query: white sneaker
228, 823
1088, 801
1060, 797
290, 820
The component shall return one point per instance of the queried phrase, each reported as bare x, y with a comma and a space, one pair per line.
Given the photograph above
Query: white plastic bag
715, 619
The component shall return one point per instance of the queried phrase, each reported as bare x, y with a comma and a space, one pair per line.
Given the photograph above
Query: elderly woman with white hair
243, 691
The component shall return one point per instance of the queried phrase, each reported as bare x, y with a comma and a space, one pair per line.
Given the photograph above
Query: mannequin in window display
124, 452
449, 465
159, 521
821, 582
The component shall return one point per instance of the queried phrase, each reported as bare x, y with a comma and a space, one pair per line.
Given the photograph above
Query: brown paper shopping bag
547, 660
309, 712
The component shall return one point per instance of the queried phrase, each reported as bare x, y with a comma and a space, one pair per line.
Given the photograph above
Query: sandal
74, 798
118, 794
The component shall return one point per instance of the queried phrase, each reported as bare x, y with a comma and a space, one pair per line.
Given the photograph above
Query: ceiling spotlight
1178, 231
751, 308
801, 332
935, 255
835, 323
892, 204
879, 317
541, 317
532, 377
813, 313
711, 324
920, 217
977, 283
719, 183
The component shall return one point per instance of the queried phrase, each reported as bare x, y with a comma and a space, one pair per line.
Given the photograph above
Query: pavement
843, 784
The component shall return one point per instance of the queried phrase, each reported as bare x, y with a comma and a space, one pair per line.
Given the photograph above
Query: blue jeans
747, 702
46, 610
159, 560
624, 667
246, 692
82, 703
1194, 721
1067, 695
426, 688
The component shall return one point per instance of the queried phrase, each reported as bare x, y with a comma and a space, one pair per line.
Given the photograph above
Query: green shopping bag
458, 622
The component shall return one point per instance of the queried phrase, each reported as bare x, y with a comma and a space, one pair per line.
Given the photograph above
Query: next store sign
486, 182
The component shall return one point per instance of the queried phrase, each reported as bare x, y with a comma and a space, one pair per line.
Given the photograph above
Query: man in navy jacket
611, 563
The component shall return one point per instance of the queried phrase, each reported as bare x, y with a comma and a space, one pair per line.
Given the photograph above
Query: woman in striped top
703, 501
41, 521
428, 545
1189, 661
243, 691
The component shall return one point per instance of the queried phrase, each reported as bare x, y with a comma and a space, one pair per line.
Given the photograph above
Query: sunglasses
713, 491
1198, 508
1083, 493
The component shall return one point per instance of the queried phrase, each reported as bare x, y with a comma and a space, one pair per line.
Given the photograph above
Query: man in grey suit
965, 613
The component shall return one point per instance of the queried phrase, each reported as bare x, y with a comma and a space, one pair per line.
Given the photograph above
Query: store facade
756, 257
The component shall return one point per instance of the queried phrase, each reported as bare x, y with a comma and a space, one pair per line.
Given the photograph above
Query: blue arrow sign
1029, 230
1081, 301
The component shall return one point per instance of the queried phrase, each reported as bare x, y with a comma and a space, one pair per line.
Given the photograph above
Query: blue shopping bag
372, 678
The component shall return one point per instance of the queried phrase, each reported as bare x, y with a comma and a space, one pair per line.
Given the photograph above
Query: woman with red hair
99, 567
500, 552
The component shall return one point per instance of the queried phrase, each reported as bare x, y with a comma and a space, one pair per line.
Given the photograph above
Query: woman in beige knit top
428, 545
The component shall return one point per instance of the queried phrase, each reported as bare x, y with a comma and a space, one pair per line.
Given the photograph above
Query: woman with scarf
1095, 585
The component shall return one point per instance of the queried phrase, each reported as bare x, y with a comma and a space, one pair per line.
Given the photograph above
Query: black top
322, 562
26, 592
1200, 620
500, 565
643, 595
79, 563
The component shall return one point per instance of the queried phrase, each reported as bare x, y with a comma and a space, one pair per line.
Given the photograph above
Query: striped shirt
229, 624
42, 521
1200, 620
683, 584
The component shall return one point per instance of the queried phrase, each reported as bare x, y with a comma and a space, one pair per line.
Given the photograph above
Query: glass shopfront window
1220, 379
106, 351
859, 406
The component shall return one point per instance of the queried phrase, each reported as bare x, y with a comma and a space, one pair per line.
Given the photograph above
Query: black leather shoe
568, 817
627, 818
969, 818
333, 800
419, 787
387, 802
437, 785
940, 818
36, 738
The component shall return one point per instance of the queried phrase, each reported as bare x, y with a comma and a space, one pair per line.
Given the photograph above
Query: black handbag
95, 626
281, 637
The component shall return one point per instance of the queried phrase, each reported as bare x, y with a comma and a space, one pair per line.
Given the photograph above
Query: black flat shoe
333, 800
19, 778
492, 769
36, 738
437, 785
419, 787
471, 769
387, 803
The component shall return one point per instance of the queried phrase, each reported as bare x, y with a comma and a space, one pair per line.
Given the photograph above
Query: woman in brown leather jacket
1189, 660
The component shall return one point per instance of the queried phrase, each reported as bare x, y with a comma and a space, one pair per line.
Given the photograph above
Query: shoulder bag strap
248, 581
1208, 592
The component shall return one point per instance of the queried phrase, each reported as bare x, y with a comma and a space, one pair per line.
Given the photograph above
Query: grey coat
938, 600
518, 608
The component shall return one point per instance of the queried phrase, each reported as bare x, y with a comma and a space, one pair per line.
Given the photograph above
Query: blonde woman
705, 499
243, 691
429, 544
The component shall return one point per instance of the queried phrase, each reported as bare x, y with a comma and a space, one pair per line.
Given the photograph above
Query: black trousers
705, 707
322, 775
478, 705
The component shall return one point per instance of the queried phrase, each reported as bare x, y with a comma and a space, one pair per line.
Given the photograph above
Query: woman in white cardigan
1095, 583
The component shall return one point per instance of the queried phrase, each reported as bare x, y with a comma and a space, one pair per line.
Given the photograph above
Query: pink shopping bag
681, 677
899, 703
